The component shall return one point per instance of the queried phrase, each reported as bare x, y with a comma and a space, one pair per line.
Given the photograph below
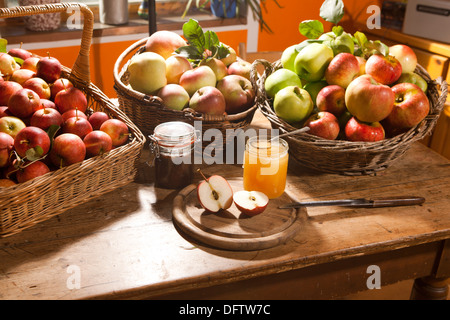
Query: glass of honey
265, 165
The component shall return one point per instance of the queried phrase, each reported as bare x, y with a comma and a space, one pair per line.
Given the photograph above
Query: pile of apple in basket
45, 121
204, 74
347, 87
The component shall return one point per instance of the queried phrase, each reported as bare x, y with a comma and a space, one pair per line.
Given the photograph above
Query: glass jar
265, 165
172, 144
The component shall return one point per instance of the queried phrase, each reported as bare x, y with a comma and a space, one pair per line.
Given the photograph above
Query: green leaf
367, 47
332, 11
194, 34
306, 43
3, 43
18, 60
211, 40
34, 154
338, 30
312, 29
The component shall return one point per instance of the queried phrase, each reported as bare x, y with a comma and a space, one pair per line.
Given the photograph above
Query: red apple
384, 69
71, 98
332, 99
174, 96
323, 124
240, 68
48, 104
30, 63
68, 148
58, 85
362, 65
342, 70
39, 86
31, 170
11, 125
405, 55
24, 103
194, 79
250, 203
164, 43
410, 108
4, 112
97, 118
77, 125
217, 66
208, 100
215, 194
22, 75
7, 89
5, 183
175, 66
20, 53
117, 130
6, 146
97, 143
44, 118
73, 113
238, 92
369, 100
30, 138
49, 69
356, 130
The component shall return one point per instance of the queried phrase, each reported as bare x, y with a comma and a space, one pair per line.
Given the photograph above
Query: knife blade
360, 202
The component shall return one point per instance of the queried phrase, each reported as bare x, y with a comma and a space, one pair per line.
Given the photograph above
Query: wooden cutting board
232, 230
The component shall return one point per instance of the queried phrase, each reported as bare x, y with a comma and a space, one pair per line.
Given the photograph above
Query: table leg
430, 288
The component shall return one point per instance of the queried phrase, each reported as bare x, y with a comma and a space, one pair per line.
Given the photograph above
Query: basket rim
437, 102
124, 91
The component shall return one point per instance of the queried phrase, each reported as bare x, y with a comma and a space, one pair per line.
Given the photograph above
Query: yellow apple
147, 72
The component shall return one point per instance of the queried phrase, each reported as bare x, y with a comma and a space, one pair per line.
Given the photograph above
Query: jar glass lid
174, 133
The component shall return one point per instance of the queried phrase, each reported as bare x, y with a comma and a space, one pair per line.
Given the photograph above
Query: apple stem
198, 170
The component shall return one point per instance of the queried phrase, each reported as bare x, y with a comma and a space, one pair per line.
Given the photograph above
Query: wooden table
124, 245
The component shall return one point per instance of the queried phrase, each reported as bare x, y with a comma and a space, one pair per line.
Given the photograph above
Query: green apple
280, 79
288, 57
293, 104
314, 88
414, 78
311, 63
339, 44
147, 72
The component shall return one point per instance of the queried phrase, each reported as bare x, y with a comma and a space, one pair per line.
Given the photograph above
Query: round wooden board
232, 230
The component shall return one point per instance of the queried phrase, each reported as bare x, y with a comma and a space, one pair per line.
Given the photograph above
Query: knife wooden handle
397, 201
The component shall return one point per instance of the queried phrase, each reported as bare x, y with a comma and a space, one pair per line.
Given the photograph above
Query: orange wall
283, 21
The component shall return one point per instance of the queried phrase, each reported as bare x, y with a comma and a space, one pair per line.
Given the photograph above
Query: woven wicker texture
347, 157
149, 111
29, 203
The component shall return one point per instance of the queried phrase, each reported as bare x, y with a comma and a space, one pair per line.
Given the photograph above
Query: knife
361, 202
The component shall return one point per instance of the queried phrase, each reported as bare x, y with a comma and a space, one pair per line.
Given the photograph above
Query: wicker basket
31, 202
346, 157
149, 111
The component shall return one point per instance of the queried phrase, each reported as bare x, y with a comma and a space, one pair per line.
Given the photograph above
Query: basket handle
81, 65
131, 50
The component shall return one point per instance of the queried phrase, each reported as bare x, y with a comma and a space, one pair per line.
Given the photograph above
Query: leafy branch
201, 45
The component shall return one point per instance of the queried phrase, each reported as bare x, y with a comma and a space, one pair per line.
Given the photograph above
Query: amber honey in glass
265, 165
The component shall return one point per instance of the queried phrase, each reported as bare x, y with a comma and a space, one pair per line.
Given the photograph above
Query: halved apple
215, 193
250, 202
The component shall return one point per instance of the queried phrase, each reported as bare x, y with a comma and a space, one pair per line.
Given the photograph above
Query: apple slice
250, 202
215, 193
